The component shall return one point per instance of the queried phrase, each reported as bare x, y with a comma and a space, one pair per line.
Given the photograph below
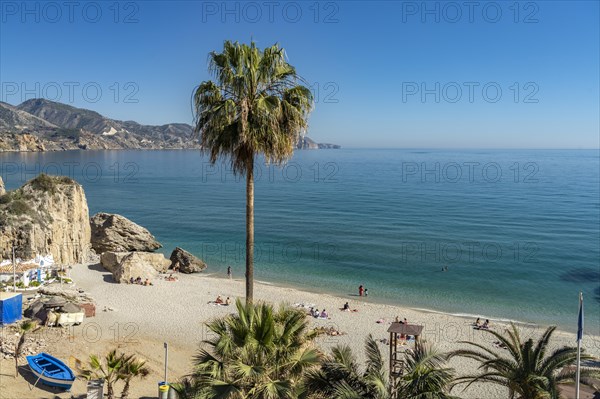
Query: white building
26, 271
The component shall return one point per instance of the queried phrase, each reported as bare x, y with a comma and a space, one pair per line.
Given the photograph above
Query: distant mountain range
43, 125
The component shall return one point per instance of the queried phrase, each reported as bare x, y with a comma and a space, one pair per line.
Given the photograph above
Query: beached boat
51, 371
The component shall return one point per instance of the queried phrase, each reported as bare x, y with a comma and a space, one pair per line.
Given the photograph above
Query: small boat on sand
51, 371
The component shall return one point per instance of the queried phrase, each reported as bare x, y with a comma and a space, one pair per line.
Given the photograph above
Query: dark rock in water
186, 262
581, 275
116, 233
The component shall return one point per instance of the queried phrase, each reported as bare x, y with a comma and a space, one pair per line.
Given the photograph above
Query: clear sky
465, 74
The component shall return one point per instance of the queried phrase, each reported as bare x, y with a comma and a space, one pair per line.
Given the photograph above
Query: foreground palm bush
524, 368
258, 353
340, 376
112, 368
132, 368
426, 375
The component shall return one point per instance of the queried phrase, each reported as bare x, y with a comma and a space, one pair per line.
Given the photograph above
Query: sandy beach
138, 319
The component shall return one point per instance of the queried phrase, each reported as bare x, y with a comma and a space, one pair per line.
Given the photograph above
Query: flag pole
579, 338
166, 345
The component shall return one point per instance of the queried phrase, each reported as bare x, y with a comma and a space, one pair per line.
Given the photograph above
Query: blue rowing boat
51, 371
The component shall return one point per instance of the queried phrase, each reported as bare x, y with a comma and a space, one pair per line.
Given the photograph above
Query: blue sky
385, 74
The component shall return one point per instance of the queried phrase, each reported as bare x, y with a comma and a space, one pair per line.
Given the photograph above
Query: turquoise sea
517, 230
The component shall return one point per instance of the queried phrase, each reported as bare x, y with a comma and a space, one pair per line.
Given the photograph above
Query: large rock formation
116, 233
111, 260
134, 265
185, 262
2, 188
47, 215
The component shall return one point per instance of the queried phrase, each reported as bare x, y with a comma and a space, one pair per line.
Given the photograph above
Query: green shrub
44, 183
72, 134
20, 207
49, 183
11, 196
34, 283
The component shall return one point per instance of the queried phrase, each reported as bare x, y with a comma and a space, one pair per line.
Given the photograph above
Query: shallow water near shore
508, 234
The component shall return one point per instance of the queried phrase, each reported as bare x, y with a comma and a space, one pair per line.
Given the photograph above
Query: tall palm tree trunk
110, 394
250, 230
18, 352
125, 393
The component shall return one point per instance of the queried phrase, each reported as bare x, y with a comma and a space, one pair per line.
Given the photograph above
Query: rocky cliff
47, 215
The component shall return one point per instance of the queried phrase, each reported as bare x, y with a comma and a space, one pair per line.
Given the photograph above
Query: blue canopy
11, 307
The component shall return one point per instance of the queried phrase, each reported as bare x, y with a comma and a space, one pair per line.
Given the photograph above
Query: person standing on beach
229, 275
360, 290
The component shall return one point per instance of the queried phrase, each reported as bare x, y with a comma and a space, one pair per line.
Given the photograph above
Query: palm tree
186, 388
131, 368
340, 377
256, 106
24, 328
425, 376
258, 353
108, 369
525, 370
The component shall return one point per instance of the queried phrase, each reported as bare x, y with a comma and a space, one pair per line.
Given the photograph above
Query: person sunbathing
477, 323
346, 307
219, 300
323, 315
227, 301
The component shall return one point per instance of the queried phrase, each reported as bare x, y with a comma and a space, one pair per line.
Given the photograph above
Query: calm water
517, 230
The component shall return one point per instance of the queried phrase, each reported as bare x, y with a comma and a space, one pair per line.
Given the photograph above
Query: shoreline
391, 302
